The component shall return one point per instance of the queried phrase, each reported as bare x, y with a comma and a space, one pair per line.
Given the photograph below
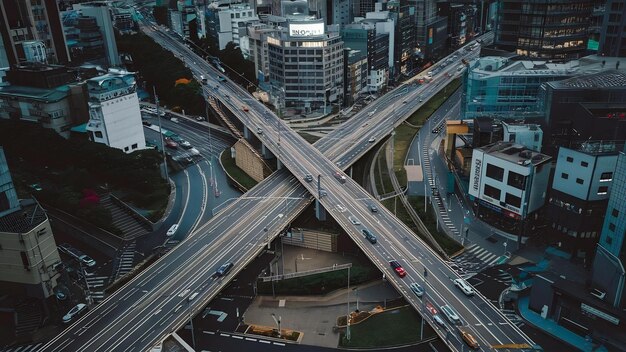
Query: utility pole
156, 100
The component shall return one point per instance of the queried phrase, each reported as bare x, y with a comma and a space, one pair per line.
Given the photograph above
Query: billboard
312, 29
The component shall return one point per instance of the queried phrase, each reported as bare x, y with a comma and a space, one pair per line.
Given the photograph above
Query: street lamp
277, 321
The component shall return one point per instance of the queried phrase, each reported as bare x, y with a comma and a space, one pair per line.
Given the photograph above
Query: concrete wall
250, 162
322, 241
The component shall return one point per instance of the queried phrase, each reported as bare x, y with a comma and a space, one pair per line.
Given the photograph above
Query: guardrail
306, 273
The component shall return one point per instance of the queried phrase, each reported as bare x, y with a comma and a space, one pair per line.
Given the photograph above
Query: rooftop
28, 217
501, 66
515, 153
605, 79
600, 147
40, 94
521, 127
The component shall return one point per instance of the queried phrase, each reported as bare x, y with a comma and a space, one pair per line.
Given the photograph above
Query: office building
580, 190
508, 184
306, 66
114, 115
529, 135
228, 23
404, 41
372, 37
361, 7
85, 40
29, 252
100, 11
355, 75
27, 21
588, 106
431, 30
608, 274
485, 131
340, 12
544, 29
613, 29
181, 16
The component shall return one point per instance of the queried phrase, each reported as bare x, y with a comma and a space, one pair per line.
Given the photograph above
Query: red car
398, 268
170, 143
431, 308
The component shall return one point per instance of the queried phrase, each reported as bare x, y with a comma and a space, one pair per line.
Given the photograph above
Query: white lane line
263, 341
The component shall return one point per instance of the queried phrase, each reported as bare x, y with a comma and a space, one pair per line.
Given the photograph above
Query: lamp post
277, 321
348, 316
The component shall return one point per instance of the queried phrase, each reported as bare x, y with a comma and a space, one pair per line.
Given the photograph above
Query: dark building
486, 132
613, 29
462, 21
591, 106
38, 76
90, 46
546, 29
25, 21
404, 46
431, 30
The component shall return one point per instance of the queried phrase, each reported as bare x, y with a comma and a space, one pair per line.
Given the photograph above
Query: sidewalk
550, 327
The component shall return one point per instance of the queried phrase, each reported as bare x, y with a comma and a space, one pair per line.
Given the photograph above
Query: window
134, 146
580, 181
125, 149
609, 239
570, 159
584, 164
513, 200
494, 172
516, 180
615, 213
602, 190
98, 134
492, 192
564, 176
606, 176
612, 226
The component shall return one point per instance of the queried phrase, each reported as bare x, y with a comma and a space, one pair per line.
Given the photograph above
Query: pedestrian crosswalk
96, 287
24, 348
476, 258
513, 317
126, 261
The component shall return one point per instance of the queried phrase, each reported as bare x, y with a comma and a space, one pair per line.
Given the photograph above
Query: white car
74, 312
354, 220
464, 286
86, 260
172, 230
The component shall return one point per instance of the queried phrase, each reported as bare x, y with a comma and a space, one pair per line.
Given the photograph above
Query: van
172, 230
430, 73
451, 315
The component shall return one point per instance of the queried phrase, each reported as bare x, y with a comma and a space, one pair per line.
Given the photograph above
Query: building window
492, 192
584, 164
98, 134
606, 176
580, 181
602, 190
609, 240
615, 213
564, 176
134, 146
125, 149
513, 200
569, 159
516, 180
612, 226
494, 172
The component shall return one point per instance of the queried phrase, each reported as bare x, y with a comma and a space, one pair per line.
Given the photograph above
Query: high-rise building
608, 274
431, 29
101, 12
613, 29
26, 21
306, 66
578, 197
29, 253
228, 23
545, 29
114, 114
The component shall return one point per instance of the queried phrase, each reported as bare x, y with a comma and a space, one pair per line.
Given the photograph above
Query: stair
28, 318
131, 227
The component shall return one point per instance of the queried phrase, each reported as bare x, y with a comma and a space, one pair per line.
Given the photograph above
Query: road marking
249, 339
237, 337
263, 341
209, 332
279, 344
225, 335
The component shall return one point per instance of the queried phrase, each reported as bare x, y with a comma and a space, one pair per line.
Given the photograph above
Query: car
431, 308
146, 123
199, 118
451, 314
245, 108
404, 102
354, 220
369, 236
469, 340
222, 79
439, 321
192, 296
397, 267
60, 295
308, 178
464, 286
372, 140
79, 308
224, 269
323, 193
340, 177
64, 248
259, 131
185, 145
87, 260
417, 289
172, 230
170, 143
373, 208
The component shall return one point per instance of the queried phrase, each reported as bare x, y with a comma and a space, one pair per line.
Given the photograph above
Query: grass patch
395, 327
428, 218
381, 174
406, 133
235, 172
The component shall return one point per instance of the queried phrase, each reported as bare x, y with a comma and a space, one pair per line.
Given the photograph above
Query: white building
100, 11
507, 183
228, 23
114, 114
527, 134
